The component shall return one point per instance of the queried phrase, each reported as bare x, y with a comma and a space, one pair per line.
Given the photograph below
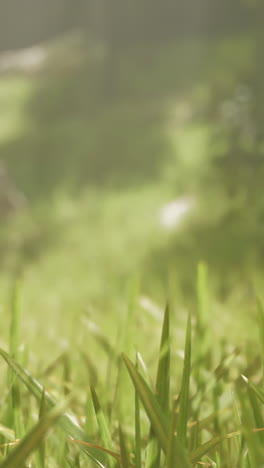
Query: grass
96, 177
94, 373
210, 415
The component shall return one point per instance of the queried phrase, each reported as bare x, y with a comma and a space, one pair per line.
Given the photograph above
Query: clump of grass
208, 418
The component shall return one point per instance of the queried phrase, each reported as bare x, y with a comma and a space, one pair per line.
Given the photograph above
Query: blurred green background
131, 145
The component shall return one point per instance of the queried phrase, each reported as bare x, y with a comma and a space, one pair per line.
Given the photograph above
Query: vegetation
87, 264
212, 415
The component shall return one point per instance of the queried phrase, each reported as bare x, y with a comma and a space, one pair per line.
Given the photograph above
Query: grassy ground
204, 408
95, 266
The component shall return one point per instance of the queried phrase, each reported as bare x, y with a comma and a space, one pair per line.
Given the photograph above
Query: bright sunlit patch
27, 60
172, 213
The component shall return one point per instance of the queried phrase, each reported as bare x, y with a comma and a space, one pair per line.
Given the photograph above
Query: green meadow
131, 248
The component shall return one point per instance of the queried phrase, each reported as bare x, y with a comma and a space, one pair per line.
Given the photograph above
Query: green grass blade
115, 455
15, 411
256, 395
163, 373
153, 409
153, 451
202, 335
15, 417
7, 433
199, 452
162, 390
237, 423
31, 441
126, 342
202, 295
208, 386
90, 422
176, 454
248, 423
138, 463
103, 427
255, 406
42, 413
256, 390
128, 336
77, 463
177, 457
125, 463
184, 394
143, 367
261, 328
66, 422
66, 373
15, 321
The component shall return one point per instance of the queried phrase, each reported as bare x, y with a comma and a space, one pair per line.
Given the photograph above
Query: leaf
15, 418
176, 456
90, 422
8, 433
42, 413
162, 390
203, 449
32, 440
184, 394
103, 428
256, 390
15, 320
202, 293
66, 422
202, 335
176, 453
256, 412
123, 449
152, 407
252, 442
163, 373
126, 342
137, 428
261, 327
116, 455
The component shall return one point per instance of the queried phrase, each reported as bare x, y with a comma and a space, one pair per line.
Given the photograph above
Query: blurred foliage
119, 22
99, 139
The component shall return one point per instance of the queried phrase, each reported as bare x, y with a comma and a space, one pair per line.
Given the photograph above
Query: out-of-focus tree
24, 23
237, 169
